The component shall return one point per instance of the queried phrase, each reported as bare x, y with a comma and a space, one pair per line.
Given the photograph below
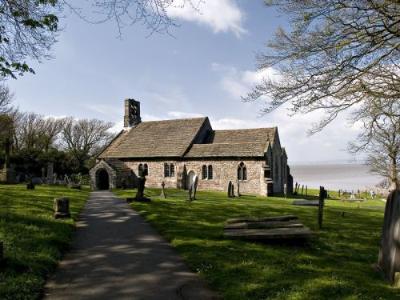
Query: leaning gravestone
389, 253
61, 208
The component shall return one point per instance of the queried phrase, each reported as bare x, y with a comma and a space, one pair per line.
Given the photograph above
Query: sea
344, 176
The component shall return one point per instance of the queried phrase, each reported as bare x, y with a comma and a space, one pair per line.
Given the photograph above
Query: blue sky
201, 71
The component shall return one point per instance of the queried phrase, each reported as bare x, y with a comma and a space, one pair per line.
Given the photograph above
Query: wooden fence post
322, 196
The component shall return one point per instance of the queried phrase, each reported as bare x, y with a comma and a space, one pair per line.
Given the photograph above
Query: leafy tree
380, 139
338, 53
28, 28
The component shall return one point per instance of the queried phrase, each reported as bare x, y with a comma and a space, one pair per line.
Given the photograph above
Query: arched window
242, 172
140, 170
145, 170
204, 172
210, 172
166, 170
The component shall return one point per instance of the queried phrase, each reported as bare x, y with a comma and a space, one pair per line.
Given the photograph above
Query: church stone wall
223, 172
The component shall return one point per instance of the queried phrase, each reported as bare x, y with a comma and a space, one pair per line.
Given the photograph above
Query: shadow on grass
334, 265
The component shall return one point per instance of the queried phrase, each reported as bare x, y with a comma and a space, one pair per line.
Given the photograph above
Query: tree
338, 54
380, 139
85, 138
28, 28
5, 99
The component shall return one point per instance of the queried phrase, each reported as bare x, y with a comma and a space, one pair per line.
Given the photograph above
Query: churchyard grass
336, 264
33, 240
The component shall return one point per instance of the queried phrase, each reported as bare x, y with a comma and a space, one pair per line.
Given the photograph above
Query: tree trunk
394, 180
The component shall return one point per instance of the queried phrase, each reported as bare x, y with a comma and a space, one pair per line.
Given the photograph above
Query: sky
202, 69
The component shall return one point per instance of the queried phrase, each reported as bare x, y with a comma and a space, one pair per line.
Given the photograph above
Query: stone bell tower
132, 113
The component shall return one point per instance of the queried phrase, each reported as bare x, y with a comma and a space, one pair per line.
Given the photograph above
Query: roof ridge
241, 129
170, 120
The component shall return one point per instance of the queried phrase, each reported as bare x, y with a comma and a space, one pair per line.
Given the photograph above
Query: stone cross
163, 190
61, 208
389, 253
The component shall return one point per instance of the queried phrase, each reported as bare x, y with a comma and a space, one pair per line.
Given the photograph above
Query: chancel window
210, 172
169, 170
207, 172
242, 172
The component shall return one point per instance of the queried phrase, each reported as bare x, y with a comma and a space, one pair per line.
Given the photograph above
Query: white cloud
238, 83
220, 15
182, 115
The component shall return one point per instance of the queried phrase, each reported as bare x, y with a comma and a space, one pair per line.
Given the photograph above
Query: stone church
174, 151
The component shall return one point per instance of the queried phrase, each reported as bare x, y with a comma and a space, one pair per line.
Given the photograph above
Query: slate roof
226, 150
174, 138
168, 138
235, 143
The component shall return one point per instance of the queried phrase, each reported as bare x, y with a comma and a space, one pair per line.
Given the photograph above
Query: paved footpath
117, 255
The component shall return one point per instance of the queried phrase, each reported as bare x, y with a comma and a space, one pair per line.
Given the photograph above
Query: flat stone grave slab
270, 234
264, 229
304, 202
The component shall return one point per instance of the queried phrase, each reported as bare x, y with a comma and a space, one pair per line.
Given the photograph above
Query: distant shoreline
343, 176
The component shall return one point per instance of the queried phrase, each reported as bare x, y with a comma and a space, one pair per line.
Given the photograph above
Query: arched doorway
190, 178
103, 180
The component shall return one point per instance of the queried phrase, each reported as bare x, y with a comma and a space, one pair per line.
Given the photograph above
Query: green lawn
335, 265
33, 240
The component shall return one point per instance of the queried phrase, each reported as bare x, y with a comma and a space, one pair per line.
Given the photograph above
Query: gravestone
163, 190
285, 191
30, 185
50, 173
231, 190
193, 188
61, 208
140, 193
389, 253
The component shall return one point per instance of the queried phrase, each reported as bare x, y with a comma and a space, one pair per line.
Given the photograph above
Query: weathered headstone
230, 195
231, 190
50, 173
30, 185
61, 208
193, 188
389, 253
322, 197
163, 190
